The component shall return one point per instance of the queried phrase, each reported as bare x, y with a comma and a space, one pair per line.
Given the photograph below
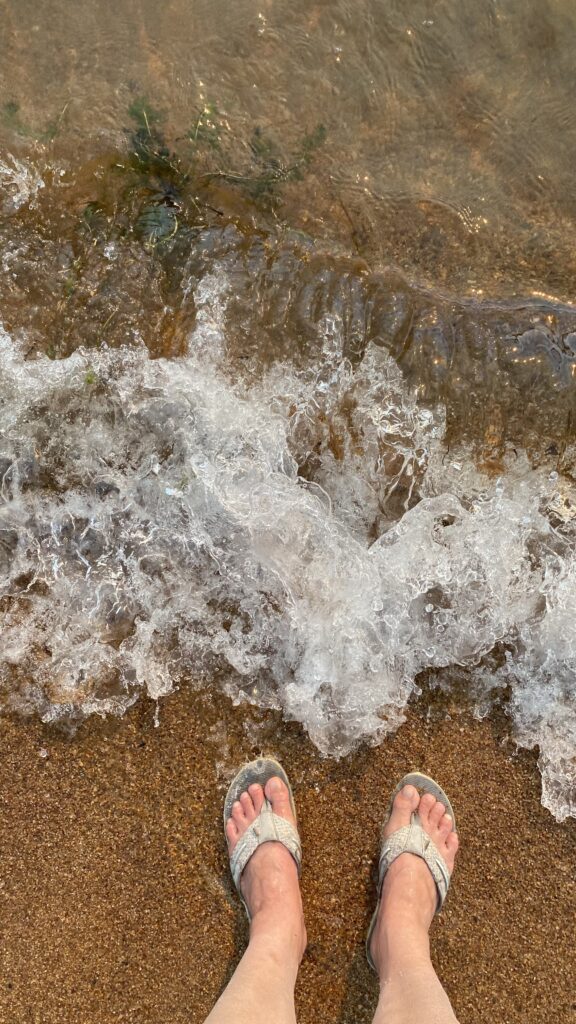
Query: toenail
408, 792
275, 785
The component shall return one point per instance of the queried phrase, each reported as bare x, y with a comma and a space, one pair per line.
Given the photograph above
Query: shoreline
116, 903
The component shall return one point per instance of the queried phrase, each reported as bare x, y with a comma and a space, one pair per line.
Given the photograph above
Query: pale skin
261, 990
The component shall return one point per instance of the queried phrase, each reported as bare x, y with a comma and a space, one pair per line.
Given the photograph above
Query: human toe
231, 833
257, 794
248, 807
437, 812
445, 825
237, 814
277, 793
404, 804
426, 805
452, 843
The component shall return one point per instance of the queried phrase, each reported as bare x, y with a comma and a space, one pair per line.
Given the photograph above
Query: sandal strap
267, 828
413, 839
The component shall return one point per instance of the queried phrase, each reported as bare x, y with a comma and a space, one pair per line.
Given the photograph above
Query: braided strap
413, 839
267, 828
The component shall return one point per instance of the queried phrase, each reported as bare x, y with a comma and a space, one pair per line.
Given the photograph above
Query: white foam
305, 537
19, 183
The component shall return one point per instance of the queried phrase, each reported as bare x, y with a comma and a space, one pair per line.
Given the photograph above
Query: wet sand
115, 899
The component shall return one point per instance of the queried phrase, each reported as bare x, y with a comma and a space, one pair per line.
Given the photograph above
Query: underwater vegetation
173, 187
11, 117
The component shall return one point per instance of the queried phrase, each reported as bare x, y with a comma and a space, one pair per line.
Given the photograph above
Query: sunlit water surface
287, 360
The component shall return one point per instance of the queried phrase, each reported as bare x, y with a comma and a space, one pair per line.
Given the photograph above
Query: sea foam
305, 537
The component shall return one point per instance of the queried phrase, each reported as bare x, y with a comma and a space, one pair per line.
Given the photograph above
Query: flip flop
267, 827
412, 838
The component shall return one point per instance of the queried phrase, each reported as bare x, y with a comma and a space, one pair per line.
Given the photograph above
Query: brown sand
115, 900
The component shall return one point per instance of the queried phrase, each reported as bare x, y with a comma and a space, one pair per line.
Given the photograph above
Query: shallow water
287, 361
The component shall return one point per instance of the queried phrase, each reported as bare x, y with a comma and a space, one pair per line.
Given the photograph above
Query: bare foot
409, 893
269, 881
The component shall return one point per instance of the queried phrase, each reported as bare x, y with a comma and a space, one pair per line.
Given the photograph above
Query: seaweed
166, 186
11, 119
148, 150
270, 170
144, 114
207, 130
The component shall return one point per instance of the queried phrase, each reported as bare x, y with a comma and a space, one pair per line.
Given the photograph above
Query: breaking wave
306, 537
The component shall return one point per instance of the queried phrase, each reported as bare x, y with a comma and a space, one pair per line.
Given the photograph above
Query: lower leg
410, 991
261, 990
414, 999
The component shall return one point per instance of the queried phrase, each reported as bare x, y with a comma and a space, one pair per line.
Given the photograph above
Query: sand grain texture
115, 899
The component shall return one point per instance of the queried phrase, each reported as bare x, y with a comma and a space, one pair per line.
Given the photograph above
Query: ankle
406, 911
400, 945
280, 937
408, 896
270, 881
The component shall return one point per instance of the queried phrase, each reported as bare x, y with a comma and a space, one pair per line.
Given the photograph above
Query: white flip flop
267, 827
412, 838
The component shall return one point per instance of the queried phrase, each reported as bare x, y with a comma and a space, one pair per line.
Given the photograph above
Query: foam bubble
19, 181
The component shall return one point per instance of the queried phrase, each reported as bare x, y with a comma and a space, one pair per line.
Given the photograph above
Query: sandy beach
115, 899
287, 404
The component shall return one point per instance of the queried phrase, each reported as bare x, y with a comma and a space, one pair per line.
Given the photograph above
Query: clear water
287, 361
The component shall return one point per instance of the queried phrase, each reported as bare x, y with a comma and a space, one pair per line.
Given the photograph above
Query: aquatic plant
12, 119
175, 186
270, 169
207, 130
